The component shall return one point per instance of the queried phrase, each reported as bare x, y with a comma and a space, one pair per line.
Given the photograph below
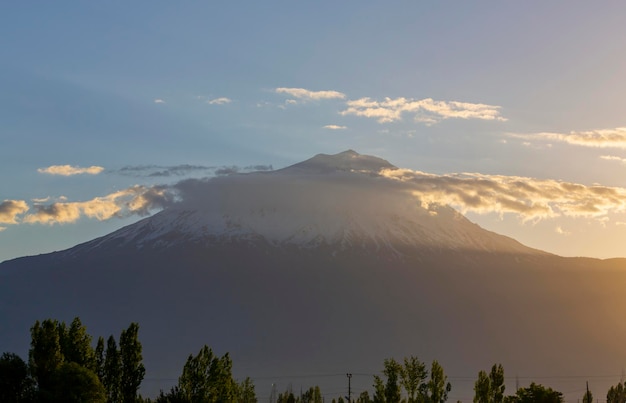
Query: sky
512, 112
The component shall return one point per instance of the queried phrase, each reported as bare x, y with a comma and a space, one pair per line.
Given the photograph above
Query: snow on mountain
337, 200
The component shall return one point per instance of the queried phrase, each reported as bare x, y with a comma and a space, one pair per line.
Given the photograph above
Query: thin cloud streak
219, 101
68, 170
530, 199
335, 127
613, 158
305, 94
426, 110
602, 138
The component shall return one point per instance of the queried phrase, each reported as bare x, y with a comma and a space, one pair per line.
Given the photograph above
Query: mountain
322, 268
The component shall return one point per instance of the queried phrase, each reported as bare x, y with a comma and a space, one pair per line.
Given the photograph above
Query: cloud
530, 199
305, 95
613, 158
603, 138
136, 200
561, 231
426, 110
163, 171
11, 209
227, 171
68, 170
159, 101
335, 127
259, 168
219, 101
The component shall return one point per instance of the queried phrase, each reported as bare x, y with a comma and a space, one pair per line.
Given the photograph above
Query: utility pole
349, 388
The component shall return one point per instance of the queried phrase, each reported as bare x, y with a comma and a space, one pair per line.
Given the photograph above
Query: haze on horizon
511, 113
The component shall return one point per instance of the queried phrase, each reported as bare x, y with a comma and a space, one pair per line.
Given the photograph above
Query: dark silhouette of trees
132, 370
16, 386
538, 394
617, 394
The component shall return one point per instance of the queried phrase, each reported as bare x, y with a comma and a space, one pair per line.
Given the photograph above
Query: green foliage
133, 370
588, 397
538, 394
312, 395
438, 388
379, 390
76, 345
413, 375
208, 378
99, 358
112, 372
496, 377
74, 383
393, 370
364, 397
490, 388
617, 394
45, 355
245, 392
482, 388
15, 384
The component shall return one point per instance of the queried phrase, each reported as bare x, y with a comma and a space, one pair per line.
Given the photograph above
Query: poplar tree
112, 372
133, 370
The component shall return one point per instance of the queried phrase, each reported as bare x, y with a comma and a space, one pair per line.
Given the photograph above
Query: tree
413, 374
438, 389
246, 393
74, 383
538, 394
133, 370
112, 372
392, 371
45, 355
496, 377
208, 378
99, 358
15, 384
76, 345
482, 388
588, 397
312, 395
617, 394
379, 390
490, 388
364, 397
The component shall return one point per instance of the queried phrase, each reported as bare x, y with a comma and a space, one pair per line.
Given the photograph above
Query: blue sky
531, 90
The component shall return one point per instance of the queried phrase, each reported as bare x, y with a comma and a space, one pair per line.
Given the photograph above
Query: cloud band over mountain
530, 199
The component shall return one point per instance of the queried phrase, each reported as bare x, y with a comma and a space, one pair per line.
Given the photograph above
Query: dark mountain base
284, 313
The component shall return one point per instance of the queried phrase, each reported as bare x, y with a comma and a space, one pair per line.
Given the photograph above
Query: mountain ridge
377, 275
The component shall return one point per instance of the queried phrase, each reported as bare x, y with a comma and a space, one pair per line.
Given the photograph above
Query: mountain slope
323, 268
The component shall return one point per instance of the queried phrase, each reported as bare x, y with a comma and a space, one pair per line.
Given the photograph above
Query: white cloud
603, 138
136, 200
159, 101
305, 94
613, 158
335, 127
68, 170
2, 228
561, 231
219, 101
531, 199
426, 110
11, 209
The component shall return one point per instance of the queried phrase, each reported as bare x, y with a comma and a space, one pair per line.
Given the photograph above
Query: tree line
64, 366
